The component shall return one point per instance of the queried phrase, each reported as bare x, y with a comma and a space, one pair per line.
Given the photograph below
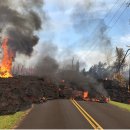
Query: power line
95, 45
117, 12
111, 8
104, 18
115, 21
118, 17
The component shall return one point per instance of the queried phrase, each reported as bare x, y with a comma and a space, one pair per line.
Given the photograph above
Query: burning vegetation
6, 63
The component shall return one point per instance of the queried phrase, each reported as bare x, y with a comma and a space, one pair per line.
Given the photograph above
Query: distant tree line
106, 71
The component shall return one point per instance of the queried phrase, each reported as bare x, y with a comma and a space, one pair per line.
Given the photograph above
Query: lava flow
6, 63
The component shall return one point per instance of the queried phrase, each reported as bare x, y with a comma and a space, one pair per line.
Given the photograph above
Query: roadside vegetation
10, 121
121, 105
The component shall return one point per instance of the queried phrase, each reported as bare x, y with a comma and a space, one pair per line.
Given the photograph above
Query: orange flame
6, 63
85, 94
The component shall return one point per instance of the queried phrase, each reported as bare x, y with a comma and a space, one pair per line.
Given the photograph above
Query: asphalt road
64, 114
58, 114
107, 115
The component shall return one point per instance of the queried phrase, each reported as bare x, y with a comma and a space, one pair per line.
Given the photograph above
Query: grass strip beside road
10, 121
121, 105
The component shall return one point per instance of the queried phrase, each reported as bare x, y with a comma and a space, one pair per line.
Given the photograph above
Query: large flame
6, 63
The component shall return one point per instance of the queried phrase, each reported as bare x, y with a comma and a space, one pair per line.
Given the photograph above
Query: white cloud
60, 11
67, 5
125, 39
91, 57
122, 41
63, 3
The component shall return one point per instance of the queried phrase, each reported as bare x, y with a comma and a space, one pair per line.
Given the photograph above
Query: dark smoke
74, 77
46, 64
93, 31
90, 25
104, 41
93, 86
101, 35
82, 18
47, 67
20, 24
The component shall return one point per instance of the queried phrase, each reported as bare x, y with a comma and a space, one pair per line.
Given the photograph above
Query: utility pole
129, 76
73, 63
123, 59
129, 66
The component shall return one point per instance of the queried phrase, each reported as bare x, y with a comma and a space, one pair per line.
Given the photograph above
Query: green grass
121, 105
9, 121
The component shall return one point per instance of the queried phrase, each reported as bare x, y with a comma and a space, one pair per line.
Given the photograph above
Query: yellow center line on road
89, 116
83, 115
94, 124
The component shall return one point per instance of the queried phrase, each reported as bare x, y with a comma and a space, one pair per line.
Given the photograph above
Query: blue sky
64, 32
